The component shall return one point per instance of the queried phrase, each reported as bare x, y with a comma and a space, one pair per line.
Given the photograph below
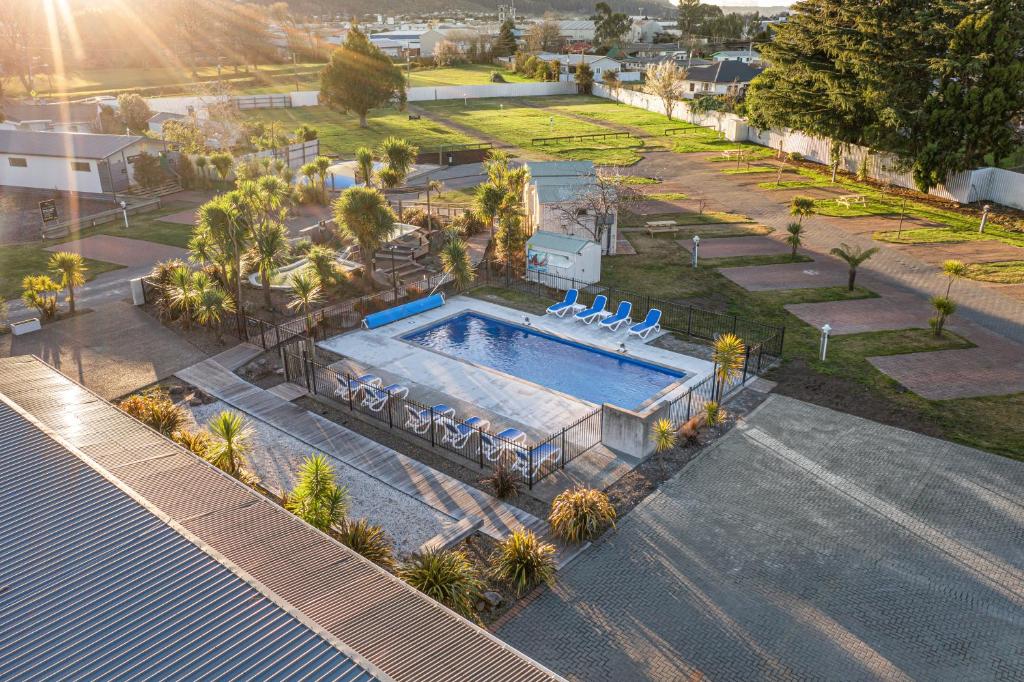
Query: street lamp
823, 343
984, 217
124, 212
394, 274
696, 248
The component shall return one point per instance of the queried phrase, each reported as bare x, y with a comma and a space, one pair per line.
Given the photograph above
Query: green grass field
467, 74
1003, 272
340, 133
29, 259
515, 123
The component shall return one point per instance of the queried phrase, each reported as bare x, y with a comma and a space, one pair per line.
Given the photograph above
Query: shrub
446, 576
503, 482
578, 514
795, 156
418, 217
156, 410
468, 224
196, 442
714, 414
368, 540
317, 499
663, 435
523, 560
497, 77
40, 292
301, 248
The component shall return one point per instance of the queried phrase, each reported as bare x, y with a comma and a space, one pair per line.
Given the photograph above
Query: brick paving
899, 311
731, 247
121, 250
805, 545
820, 273
968, 252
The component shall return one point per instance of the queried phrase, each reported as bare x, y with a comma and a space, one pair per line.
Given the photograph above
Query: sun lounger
494, 445
458, 433
356, 386
542, 454
594, 312
566, 304
419, 420
377, 398
620, 317
651, 323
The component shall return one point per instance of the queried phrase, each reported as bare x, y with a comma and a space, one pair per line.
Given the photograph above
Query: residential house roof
576, 25
97, 584
64, 145
401, 631
540, 169
162, 116
576, 58
554, 241
723, 72
63, 112
736, 54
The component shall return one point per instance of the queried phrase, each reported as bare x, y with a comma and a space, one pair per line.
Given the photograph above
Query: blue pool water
588, 373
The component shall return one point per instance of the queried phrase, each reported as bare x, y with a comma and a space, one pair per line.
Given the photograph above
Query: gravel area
276, 458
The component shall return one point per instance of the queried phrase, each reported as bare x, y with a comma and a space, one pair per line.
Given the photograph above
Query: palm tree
306, 293
269, 251
954, 270
944, 307
273, 194
801, 206
309, 172
389, 178
488, 201
323, 260
456, 262
796, 231
222, 162
318, 499
230, 442
183, 294
323, 165
364, 214
40, 292
729, 356
364, 165
70, 270
854, 257
432, 186
161, 275
224, 219
201, 164
399, 156
212, 304
510, 240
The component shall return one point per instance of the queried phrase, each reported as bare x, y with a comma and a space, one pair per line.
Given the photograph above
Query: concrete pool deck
524, 402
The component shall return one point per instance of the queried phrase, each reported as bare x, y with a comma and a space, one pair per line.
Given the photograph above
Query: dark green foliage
360, 77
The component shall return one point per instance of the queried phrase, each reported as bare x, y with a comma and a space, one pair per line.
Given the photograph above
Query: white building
643, 30
460, 36
552, 258
744, 56
71, 162
577, 30
556, 190
719, 78
599, 64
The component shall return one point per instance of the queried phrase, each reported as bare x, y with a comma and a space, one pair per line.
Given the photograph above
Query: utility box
138, 295
555, 260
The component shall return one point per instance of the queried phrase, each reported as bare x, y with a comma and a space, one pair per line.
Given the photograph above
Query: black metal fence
471, 439
691, 320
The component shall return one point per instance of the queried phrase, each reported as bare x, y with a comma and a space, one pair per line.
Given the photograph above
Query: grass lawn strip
1000, 272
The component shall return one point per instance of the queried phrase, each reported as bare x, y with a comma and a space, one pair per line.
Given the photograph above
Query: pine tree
506, 43
360, 77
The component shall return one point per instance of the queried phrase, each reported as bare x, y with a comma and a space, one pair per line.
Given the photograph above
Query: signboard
542, 261
48, 211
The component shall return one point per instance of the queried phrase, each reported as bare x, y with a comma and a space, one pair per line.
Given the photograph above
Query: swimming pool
588, 373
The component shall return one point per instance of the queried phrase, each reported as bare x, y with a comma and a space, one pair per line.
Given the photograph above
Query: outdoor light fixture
696, 248
823, 344
984, 217
124, 212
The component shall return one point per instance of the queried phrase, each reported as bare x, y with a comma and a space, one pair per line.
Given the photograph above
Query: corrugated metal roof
70, 145
95, 585
730, 71
405, 634
542, 169
558, 242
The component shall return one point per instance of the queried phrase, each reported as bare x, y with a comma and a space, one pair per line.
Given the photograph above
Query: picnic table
848, 199
661, 226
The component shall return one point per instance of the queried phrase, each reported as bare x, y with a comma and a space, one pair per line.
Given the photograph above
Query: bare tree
665, 81
544, 36
596, 203
22, 30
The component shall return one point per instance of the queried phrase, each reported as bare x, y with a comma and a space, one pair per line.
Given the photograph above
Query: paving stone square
806, 544
819, 273
904, 311
731, 247
121, 250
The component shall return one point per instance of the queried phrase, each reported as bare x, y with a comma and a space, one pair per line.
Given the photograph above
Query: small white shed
550, 256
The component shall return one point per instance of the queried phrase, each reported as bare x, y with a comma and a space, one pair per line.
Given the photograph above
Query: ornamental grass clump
579, 514
504, 482
523, 561
156, 410
368, 540
663, 435
447, 576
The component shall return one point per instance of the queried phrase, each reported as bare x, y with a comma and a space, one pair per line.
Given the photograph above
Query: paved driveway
807, 544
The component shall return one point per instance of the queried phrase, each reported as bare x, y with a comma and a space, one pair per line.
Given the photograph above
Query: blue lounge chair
419, 420
357, 385
458, 433
595, 311
651, 323
494, 445
377, 398
566, 304
542, 454
620, 317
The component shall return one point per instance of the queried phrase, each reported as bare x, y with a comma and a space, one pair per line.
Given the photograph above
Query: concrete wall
629, 432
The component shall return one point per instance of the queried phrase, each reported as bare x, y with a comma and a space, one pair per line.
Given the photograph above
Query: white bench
25, 326
848, 199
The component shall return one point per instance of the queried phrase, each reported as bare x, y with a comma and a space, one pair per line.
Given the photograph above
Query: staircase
405, 268
162, 190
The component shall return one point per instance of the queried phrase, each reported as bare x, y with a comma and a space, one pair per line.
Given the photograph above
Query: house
643, 30
460, 36
568, 259
560, 196
126, 553
719, 78
599, 65
71, 162
66, 117
744, 56
577, 30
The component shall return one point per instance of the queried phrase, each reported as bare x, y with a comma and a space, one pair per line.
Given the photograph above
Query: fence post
312, 372
563, 447
734, 318
391, 419
277, 334
432, 443
689, 403
348, 386
305, 368
480, 445
746, 364
284, 363
530, 483
263, 338
689, 320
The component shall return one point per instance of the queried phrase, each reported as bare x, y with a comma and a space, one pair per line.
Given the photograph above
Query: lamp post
394, 274
124, 212
984, 217
696, 248
823, 343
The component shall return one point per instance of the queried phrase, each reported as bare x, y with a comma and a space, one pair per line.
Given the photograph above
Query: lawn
28, 259
93, 82
340, 133
514, 122
467, 74
1003, 272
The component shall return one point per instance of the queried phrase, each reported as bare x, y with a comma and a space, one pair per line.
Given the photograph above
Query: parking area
806, 544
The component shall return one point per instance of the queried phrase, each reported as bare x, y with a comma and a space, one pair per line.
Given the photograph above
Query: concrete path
823, 272
804, 545
108, 288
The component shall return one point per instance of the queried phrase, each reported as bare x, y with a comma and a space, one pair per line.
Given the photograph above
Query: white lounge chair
356, 385
377, 398
419, 420
620, 317
594, 312
494, 445
565, 305
458, 433
651, 323
542, 454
